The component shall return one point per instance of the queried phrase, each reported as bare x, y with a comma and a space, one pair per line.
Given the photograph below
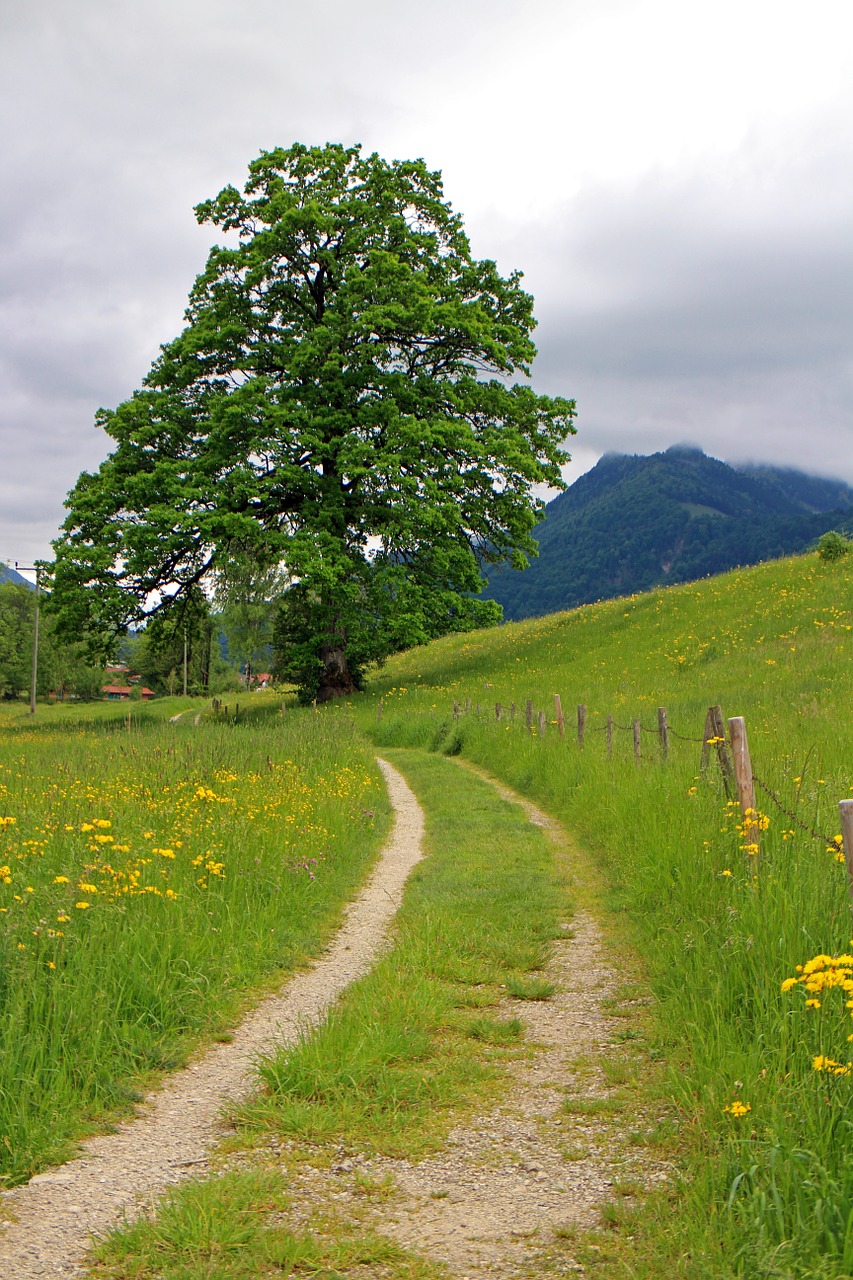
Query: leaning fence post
542, 723
846, 808
528, 713
558, 707
636, 728
581, 725
663, 733
745, 784
609, 737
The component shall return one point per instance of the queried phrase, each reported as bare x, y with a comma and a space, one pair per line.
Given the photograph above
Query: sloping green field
758, 1074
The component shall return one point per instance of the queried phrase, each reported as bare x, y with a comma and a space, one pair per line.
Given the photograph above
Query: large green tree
349, 399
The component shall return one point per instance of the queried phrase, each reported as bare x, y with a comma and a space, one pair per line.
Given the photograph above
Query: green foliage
247, 599
156, 652
63, 667
341, 402
832, 546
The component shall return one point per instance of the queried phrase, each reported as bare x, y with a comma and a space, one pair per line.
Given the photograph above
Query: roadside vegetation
155, 877
408, 1049
745, 942
747, 949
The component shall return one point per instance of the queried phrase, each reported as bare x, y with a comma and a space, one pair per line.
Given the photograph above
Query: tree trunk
336, 681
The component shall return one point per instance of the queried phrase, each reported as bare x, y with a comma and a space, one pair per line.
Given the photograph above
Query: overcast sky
674, 179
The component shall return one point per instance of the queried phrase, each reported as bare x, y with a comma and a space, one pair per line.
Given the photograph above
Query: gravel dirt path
505, 1196
54, 1215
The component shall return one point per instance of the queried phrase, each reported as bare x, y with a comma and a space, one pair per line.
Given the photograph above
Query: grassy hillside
758, 1074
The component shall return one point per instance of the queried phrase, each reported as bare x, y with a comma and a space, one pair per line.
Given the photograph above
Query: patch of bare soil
54, 1215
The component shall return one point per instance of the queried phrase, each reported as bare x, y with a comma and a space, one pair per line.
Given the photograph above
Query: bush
832, 546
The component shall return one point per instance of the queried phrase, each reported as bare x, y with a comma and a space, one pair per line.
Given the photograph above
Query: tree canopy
342, 403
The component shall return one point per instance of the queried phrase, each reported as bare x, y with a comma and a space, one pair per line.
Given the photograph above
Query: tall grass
768, 1186
150, 878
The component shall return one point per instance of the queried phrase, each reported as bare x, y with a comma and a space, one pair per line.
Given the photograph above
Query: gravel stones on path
54, 1215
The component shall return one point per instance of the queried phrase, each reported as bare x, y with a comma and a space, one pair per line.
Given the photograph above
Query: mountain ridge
634, 522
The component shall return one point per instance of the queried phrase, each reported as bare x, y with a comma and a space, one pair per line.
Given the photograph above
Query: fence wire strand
829, 841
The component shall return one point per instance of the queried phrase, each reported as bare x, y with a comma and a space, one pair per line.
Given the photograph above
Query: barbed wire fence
728, 741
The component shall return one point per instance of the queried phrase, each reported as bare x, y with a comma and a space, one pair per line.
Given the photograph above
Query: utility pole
185, 662
33, 569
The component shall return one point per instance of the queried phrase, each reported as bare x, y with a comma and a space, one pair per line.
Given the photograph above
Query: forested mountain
12, 575
632, 523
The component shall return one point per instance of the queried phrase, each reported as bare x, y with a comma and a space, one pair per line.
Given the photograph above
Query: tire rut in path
56, 1213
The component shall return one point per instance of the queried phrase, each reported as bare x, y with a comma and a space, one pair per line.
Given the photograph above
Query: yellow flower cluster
821, 1063
821, 974
737, 1108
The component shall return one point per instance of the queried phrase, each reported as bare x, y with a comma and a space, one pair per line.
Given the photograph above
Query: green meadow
156, 876
758, 1076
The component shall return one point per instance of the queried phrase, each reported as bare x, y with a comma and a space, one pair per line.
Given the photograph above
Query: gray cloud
705, 300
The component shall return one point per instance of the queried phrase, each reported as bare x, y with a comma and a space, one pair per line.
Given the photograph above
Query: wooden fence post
609, 737
846, 808
455, 709
561, 724
663, 733
528, 713
512, 712
636, 727
581, 725
467, 706
379, 712
497, 711
743, 777
542, 723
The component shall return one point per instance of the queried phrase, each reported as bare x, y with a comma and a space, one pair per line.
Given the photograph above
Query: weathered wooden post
542, 723
636, 727
379, 712
581, 725
663, 733
609, 737
558, 707
846, 809
467, 706
528, 713
745, 784
512, 713
497, 711
455, 709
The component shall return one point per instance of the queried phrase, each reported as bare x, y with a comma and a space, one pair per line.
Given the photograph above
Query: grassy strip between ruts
404, 1053
152, 877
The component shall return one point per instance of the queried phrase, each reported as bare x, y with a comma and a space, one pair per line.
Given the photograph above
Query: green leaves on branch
341, 403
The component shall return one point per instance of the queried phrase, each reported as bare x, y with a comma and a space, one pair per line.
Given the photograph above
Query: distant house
121, 692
